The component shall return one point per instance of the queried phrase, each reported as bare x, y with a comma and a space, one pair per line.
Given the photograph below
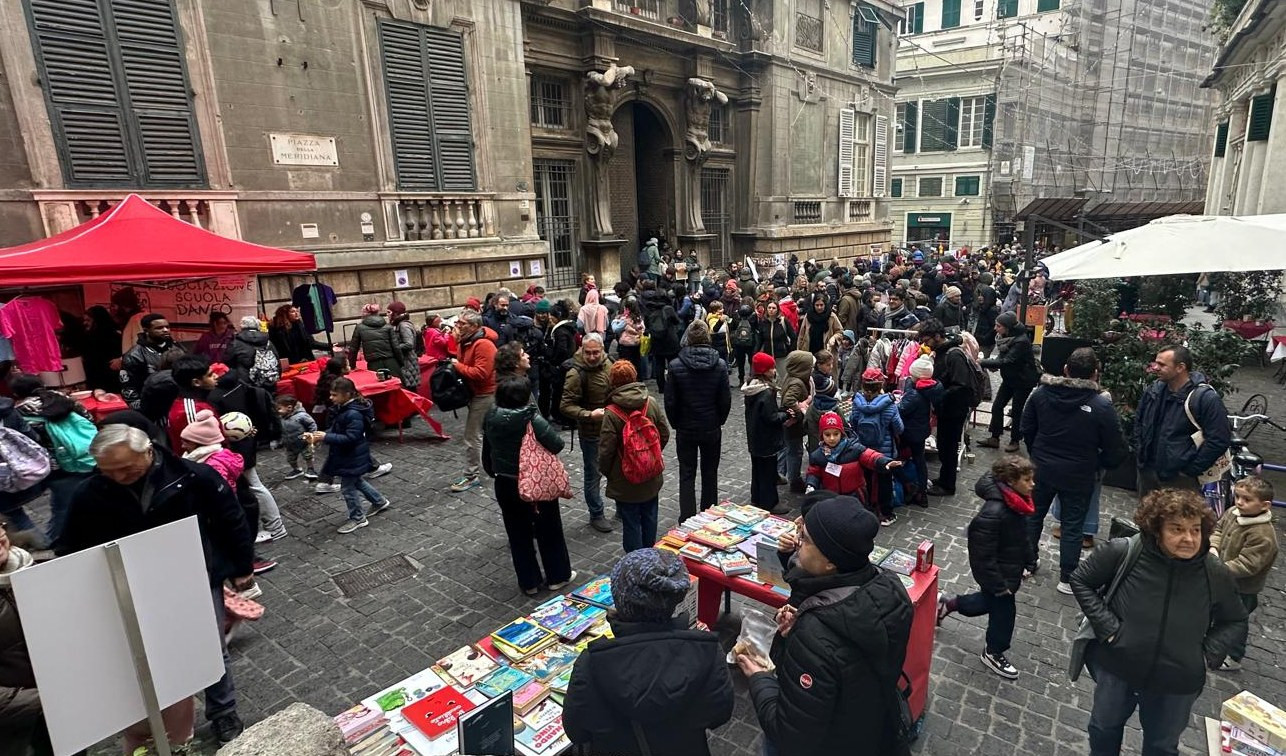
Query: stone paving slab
316, 646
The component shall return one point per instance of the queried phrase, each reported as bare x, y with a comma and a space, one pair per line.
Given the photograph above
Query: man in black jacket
241, 352
139, 486
656, 687
1174, 613
1019, 374
950, 368
1162, 439
231, 395
144, 358
1073, 434
840, 645
697, 400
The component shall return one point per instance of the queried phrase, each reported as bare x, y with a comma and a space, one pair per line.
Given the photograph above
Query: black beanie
1008, 320
843, 530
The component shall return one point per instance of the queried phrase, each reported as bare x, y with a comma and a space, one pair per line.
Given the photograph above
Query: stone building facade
467, 143
1249, 155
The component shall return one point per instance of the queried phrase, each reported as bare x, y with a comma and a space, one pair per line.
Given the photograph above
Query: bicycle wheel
1257, 404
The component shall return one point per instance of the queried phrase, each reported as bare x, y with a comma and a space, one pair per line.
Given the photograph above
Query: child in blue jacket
876, 420
350, 453
848, 457
919, 401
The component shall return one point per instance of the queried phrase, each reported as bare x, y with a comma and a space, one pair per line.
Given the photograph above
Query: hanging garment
30, 323
314, 302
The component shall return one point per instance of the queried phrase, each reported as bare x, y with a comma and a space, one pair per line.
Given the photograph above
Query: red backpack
640, 445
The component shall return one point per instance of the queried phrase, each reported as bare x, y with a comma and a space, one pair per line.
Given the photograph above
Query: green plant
1223, 14
1093, 308
1170, 295
1251, 295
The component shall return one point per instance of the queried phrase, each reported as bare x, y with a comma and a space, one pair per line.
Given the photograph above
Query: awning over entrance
1142, 211
1053, 208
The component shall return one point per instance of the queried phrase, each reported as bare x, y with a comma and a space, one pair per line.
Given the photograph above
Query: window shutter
950, 14
881, 172
1007, 8
988, 120
895, 187
1221, 140
910, 127
1261, 117
406, 83
1046, 5
863, 42
449, 105
951, 136
847, 128
160, 105
919, 18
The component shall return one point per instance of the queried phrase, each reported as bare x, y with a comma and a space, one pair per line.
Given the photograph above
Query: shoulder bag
1222, 465
1085, 633
541, 475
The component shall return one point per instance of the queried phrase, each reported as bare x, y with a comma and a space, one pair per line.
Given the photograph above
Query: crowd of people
851, 377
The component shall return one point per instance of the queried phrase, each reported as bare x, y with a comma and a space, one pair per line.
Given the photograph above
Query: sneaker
352, 525
1000, 665
294, 474
310, 475
260, 566
937, 490
559, 586
380, 471
1230, 665
277, 535
227, 728
377, 508
990, 443
600, 524
888, 519
781, 480
1064, 588
323, 488
463, 484
1011, 447
531, 591
263, 536
251, 593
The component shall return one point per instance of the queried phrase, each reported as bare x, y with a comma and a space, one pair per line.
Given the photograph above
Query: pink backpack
541, 475
23, 462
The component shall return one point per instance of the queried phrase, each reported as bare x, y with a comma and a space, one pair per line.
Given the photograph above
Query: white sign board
1029, 162
76, 637
535, 268
515, 268
401, 279
303, 149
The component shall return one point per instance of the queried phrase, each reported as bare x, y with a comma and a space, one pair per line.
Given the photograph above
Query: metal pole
1029, 262
134, 636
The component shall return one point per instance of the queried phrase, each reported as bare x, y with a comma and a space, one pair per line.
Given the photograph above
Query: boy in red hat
764, 422
837, 463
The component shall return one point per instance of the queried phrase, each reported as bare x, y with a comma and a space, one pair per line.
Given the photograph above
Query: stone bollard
297, 730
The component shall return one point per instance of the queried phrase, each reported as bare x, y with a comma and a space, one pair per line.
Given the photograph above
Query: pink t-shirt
30, 323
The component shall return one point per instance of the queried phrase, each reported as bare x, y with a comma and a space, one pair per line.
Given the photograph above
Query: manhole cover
310, 509
375, 575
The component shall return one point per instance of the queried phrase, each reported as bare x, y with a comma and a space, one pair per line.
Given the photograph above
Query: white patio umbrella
1179, 244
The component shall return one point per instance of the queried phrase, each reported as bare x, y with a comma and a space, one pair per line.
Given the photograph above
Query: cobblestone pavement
316, 646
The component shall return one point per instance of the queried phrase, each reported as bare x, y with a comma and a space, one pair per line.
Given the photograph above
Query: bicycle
1244, 461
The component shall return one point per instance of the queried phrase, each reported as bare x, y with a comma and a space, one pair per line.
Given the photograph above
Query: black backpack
744, 335
449, 389
978, 386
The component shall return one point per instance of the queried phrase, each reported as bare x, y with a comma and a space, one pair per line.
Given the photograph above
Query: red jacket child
849, 455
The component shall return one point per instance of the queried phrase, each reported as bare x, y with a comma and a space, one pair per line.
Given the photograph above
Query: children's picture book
718, 541
597, 592
381, 742
504, 678
720, 525
774, 527
410, 690
489, 728
560, 681
899, 562
750, 546
746, 515
359, 721
543, 713
768, 565
438, 713
522, 635
695, 550
562, 616
466, 665
545, 664
547, 739
526, 697
735, 563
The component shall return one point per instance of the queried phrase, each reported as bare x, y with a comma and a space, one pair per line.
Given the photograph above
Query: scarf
1022, 505
19, 559
202, 453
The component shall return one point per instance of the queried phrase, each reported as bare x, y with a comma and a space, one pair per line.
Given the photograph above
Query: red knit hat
873, 375
761, 363
831, 421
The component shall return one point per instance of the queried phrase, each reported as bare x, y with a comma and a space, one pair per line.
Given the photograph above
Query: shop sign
933, 220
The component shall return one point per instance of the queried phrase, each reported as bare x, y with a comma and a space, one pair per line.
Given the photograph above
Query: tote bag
541, 475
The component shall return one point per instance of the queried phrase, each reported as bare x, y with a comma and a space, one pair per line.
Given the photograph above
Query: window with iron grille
714, 212
556, 219
427, 89
718, 129
808, 25
116, 86
550, 102
930, 186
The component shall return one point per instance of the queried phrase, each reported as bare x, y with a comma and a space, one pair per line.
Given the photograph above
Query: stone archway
642, 178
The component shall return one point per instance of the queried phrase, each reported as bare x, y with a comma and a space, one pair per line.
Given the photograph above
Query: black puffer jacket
137, 364
1071, 431
697, 394
774, 337
1167, 618
661, 321
239, 355
673, 682
102, 510
998, 545
1016, 361
951, 369
764, 419
838, 668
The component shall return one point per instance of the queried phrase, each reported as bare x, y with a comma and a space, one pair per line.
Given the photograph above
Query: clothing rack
892, 331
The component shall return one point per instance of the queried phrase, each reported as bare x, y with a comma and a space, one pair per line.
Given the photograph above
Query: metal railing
649, 9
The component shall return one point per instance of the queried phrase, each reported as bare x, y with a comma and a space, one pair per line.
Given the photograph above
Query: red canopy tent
136, 241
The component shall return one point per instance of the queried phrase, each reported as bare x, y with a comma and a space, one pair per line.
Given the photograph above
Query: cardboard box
1258, 718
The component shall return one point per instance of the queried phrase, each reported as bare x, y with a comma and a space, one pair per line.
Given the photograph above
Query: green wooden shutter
449, 93
933, 126
1261, 117
968, 186
863, 42
1221, 140
160, 107
895, 187
918, 26
406, 83
910, 127
951, 136
950, 14
1046, 5
989, 120
1007, 8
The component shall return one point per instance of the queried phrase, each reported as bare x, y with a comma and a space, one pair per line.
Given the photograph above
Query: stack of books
675, 540
564, 617
546, 664
597, 592
745, 514
735, 563
522, 638
774, 527
464, 666
501, 680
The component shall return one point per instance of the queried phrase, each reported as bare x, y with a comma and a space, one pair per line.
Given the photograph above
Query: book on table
719, 541
501, 680
562, 616
735, 563
544, 712
548, 739
545, 664
438, 712
878, 553
899, 562
561, 680
523, 637
526, 697
695, 551
358, 722
489, 728
597, 592
774, 527
466, 665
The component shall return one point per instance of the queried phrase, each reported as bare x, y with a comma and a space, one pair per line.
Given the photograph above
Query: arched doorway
642, 179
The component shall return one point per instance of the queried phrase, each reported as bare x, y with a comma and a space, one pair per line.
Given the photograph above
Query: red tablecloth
99, 409
1146, 317
392, 403
1249, 330
924, 597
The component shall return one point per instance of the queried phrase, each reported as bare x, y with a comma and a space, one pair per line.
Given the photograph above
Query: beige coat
1248, 546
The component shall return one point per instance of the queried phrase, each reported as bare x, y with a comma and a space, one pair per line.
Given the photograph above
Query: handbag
1222, 465
1085, 632
645, 345
541, 475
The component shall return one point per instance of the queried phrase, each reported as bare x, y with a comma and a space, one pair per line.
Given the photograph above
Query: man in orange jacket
477, 366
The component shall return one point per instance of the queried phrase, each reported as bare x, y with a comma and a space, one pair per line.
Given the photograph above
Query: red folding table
391, 402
